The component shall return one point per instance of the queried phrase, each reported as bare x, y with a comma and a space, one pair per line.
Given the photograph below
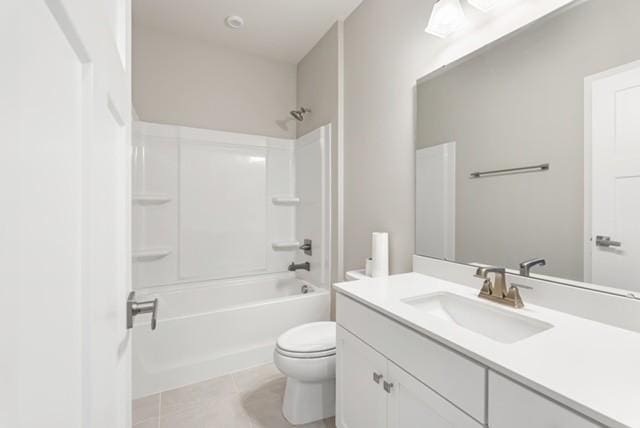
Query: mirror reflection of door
436, 201
615, 178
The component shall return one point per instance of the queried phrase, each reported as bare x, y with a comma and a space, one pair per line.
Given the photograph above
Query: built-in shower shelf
150, 254
286, 200
286, 245
151, 199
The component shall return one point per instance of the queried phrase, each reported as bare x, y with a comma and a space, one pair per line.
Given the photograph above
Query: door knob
136, 308
606, 242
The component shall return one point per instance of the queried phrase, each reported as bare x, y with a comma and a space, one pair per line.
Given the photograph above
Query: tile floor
248, 399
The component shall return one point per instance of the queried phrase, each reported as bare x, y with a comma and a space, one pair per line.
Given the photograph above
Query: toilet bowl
307, 356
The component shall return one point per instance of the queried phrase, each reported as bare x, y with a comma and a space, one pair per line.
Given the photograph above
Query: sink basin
482, 318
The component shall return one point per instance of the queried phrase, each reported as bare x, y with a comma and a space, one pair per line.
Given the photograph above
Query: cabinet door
414, 405
513, 405
361, 401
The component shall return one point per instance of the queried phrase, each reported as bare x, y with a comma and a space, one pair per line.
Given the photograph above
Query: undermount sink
483, 318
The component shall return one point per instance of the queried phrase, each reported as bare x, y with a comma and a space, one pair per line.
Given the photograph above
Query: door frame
588, 162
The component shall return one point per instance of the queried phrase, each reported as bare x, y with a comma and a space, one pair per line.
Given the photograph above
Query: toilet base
306, 402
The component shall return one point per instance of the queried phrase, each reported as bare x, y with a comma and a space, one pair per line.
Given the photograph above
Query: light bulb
447, 17
484, 5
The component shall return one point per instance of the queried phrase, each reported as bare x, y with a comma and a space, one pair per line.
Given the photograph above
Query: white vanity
417, 351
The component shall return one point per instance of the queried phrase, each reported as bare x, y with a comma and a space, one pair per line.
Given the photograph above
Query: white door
616, 179
69, 226
414, 405
360, 375
436, 201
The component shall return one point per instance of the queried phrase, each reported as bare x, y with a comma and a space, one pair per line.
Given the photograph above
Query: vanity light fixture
484, 5
447, 17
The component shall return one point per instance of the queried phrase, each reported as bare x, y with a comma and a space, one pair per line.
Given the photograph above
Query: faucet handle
482, 271
514, 297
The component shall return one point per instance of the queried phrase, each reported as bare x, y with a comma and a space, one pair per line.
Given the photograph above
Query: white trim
340, 156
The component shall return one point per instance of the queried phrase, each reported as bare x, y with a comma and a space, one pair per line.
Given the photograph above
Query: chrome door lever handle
606, 242
136, 308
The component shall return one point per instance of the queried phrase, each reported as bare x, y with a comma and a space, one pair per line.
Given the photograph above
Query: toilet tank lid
312, 337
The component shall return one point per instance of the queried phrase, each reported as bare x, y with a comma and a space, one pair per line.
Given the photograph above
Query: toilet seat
314, 340
320, 354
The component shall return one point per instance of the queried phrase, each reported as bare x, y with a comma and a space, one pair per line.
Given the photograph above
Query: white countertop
588, 366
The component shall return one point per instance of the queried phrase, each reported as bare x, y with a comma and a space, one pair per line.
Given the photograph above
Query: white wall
385, 52
187, 82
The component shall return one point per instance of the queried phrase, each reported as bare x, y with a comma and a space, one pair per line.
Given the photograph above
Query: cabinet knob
377, 377
387, 386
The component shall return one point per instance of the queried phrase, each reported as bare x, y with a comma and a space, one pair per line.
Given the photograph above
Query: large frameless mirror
530, 151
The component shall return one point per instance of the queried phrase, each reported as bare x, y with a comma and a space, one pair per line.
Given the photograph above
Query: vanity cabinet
390, 376
509, 402
360, 373
374, 392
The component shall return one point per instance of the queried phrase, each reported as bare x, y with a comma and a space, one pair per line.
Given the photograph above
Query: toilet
307, 356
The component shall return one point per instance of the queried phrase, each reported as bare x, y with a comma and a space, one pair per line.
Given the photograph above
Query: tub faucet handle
135, 308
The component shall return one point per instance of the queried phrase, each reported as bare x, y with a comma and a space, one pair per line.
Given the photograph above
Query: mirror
530, 149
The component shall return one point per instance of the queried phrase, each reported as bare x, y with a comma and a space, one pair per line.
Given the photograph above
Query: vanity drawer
512, 404
453, 376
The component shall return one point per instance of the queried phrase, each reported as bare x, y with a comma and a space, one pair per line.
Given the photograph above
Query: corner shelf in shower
151, 199
286, 200
150, 254
285, 246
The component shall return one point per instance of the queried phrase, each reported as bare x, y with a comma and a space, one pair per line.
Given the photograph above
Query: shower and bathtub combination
218, 218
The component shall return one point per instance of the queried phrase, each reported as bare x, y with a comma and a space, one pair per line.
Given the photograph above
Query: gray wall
382, 40
517, 104
187, 82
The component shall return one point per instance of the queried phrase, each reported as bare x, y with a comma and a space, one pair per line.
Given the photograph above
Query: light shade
447, 17
484, 5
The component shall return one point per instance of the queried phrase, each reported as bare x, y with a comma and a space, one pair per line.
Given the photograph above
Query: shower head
299, 114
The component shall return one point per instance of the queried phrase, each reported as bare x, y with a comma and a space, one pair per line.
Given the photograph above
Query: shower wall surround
210, 205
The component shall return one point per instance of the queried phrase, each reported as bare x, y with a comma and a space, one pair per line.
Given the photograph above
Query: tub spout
302, 266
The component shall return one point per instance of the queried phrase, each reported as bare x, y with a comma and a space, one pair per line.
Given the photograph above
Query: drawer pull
387, 386
377, 377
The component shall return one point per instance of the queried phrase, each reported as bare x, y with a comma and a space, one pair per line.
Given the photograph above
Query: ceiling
283, 30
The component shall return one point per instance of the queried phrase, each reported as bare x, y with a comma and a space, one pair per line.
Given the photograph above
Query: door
360, 375
69, 230
414, 405
436, 201
615, 235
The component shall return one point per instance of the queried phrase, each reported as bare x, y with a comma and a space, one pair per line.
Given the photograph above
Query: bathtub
210, 329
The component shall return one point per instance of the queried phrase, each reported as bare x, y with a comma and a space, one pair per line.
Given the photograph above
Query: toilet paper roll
380, 254
367, 266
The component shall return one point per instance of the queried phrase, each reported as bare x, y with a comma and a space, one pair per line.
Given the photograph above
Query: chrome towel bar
533, 168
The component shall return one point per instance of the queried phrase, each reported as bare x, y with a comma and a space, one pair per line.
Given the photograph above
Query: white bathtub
210, 329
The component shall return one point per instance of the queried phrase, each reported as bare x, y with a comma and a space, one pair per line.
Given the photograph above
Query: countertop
591, 367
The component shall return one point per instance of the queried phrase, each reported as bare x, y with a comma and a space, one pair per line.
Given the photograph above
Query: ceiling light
235, 22
484, 5
447, 17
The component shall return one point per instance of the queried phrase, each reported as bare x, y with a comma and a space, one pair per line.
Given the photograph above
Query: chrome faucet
302, 266
525, 267
498, 291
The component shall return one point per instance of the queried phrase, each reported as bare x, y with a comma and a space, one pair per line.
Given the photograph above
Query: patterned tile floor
248, 399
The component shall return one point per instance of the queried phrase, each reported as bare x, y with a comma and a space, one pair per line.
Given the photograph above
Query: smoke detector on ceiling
234, 22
